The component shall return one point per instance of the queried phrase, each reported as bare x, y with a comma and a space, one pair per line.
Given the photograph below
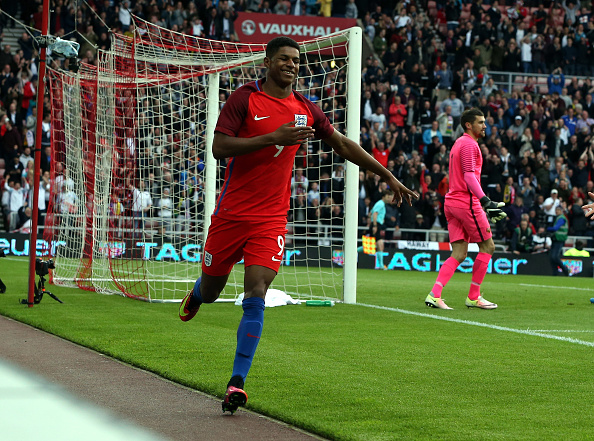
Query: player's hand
401, 192
493, 209
289, 134
589, 208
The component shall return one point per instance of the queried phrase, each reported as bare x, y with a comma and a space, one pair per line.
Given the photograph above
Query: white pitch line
561, 330
15, 259
484, 325
555, 287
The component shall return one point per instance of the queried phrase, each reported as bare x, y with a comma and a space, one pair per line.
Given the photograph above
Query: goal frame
349, 273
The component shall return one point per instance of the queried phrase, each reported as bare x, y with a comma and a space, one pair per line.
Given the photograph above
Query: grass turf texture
353, 372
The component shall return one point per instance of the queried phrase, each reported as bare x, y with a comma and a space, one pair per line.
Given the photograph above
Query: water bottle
319, 303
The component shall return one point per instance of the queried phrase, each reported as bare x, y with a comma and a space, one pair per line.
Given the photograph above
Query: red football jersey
258, 184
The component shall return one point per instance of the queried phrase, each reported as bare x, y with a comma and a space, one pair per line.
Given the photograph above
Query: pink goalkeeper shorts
468, 224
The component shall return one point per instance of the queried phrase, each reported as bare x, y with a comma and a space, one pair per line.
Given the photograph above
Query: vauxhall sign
250, 28
261, 28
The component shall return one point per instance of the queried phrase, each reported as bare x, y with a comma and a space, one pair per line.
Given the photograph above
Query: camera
42, 267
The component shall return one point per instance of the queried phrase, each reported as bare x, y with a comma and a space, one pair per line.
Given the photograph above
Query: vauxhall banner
253, 27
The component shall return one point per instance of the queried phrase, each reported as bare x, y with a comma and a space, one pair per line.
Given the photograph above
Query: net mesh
129, 206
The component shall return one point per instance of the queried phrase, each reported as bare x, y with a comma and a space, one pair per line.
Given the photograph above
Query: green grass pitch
386, 369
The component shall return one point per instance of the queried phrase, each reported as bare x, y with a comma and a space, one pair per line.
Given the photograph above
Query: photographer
522, 240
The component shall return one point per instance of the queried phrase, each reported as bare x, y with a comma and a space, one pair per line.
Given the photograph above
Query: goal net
133, 178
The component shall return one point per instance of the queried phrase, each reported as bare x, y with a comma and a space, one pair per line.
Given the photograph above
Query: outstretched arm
353, 152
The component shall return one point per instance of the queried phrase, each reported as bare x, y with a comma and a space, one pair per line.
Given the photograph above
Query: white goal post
134, 179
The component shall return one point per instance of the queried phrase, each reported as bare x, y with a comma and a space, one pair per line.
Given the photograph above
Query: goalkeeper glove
493, 209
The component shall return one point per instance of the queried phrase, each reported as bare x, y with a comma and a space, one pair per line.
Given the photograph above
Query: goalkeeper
468, 212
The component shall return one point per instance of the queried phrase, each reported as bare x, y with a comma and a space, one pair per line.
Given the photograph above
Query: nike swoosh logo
258, 118
276, 259
253, 336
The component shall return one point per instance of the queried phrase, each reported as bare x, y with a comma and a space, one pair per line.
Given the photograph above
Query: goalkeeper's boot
234, 398
187, 310
435, 302
480, 303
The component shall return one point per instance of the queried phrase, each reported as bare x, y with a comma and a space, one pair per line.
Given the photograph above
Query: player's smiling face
283, 67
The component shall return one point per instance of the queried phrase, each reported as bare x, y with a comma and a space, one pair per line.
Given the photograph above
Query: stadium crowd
432, 60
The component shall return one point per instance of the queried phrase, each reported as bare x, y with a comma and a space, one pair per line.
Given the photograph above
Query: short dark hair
276, 43
469, 116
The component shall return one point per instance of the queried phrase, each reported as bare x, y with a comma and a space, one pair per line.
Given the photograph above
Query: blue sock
248, 335
196, 295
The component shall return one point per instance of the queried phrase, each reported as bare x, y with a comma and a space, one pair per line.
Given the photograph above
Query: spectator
527, 192
11, 139
556, 81
299, 183
446, 123
380, 44
124, 15
397, 113
456, 104
549, 206
430, 133
514, 214
313, 193
142, 204
445, 79
570, 121
16, 199
165, 213
426, 116
325, 8
380, 153
520, 124
351, 10
23, 224
571, 10
526, 52
14, 170
402, 20
378, 117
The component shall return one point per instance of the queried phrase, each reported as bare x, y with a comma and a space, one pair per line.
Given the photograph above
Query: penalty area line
483, 325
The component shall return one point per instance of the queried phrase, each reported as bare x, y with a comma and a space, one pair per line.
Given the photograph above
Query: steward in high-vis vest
578, 250
559, 236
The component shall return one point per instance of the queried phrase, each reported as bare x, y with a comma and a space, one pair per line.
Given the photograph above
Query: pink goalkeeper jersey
258, 184
465, 157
